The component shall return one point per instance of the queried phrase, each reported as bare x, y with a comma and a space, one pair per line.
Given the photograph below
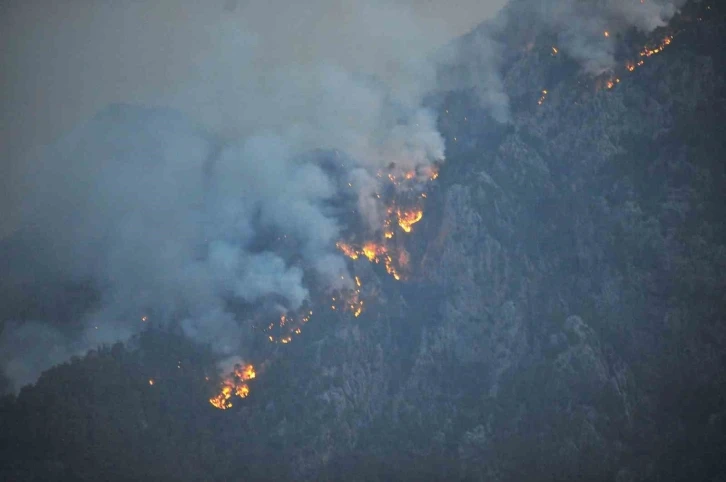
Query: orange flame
234, 384
373, 251
246, 372
288, 325
648, 52
347, 250
406, 219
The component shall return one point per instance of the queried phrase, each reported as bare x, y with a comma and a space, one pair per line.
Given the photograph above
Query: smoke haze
208, 193
588, 30
204, 195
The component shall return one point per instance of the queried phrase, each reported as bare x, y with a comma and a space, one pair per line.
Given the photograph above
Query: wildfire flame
402, 205
375, 253
543, 97
286, 326
234, 384
348, 250
402, 211
646, 52
649, 52
406, 219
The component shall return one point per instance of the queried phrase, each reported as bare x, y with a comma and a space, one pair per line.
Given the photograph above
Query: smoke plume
223, 189
209, 203
588, 30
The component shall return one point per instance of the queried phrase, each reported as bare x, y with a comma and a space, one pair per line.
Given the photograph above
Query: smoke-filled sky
173, 206
62, 61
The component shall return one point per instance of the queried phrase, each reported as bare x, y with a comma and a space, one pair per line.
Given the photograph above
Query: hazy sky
63, 60
128, 199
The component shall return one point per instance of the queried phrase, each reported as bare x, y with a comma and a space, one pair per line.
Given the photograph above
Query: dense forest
565, 320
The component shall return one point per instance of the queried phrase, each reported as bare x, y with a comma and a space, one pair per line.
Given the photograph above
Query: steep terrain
564, 320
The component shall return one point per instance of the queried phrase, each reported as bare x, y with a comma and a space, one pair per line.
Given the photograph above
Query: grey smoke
175, 213
208, 195
146, 206
581, 25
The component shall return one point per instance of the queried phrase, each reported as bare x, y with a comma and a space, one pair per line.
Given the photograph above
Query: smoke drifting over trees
173, 216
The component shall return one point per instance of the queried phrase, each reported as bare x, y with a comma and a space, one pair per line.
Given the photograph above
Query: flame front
609, 82
406, 219
288, 325
403, 209
234, 384
646, 52
402, 202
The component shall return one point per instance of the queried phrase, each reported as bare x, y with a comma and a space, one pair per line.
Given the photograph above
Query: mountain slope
564, 321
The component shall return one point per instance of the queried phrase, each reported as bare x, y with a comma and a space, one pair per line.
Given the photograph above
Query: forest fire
234, 384
375, 253
631, 66
400, 204
648, 52
287, 326
400, 214
348, 250
348, 300
406, 219
543, 97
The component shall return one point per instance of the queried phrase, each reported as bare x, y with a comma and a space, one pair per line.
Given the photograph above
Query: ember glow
287, 326
400, 201
650, 51
631, 66
348, 300
543, 97
235, 384
609, 81
406, 219
403, 208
